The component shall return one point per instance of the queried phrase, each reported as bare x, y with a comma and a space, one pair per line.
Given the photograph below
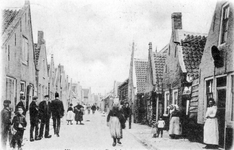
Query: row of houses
26, 67
189, 70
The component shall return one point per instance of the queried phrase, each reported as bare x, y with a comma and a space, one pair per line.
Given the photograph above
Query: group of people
78, 110
13, 129
116, 120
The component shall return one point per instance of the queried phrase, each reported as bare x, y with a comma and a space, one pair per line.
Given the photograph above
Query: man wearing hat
34, 120
22, 103
44, 116
57, 113
5, 122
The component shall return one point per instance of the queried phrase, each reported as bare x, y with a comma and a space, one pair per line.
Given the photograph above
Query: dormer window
224, 23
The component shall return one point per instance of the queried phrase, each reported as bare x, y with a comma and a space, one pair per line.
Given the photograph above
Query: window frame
24, 50
221, 32
166, 102
173, 96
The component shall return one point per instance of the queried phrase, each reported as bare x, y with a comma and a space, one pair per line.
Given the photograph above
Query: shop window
224, 23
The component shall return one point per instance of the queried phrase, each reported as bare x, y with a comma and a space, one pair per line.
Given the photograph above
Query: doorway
221, 104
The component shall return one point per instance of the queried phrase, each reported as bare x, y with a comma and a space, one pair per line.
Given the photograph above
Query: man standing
127, 113
5, 122
33, 111
44, 116
22, 103
57, 113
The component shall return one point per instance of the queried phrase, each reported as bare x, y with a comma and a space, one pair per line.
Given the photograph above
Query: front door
221, 103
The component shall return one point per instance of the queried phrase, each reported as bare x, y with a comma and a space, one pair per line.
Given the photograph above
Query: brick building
217, 72
18, 54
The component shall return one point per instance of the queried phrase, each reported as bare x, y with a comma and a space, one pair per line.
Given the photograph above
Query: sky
92, 39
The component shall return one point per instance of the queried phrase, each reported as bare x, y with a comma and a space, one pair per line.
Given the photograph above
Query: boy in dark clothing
5, 122
19, 123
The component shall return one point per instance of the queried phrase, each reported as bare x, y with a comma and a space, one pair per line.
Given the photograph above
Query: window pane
221, 81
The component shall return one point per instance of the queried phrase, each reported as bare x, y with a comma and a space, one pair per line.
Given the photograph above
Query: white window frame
173, 96
14, 90
221, 22
24, 86
165, 102
24, 50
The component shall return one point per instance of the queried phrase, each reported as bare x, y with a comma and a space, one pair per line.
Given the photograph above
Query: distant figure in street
211, 132
19, 124
78, 110
88, 108
57, 110
114, 123
161, 125
127, 113
175, 129
22, 103
44, 116
93, 108
70, 115
34, 119
5, 122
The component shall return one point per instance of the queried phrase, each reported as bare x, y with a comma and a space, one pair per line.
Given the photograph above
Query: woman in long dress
114, 124
211, 132
175, 129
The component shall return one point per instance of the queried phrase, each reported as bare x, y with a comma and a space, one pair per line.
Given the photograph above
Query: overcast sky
92, 38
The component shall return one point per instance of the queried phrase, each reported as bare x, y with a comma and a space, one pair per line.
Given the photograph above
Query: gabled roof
141, 71
191, 50
159, 61
8, 17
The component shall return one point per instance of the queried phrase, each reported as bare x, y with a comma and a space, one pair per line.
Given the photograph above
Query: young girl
19, 123
70, 115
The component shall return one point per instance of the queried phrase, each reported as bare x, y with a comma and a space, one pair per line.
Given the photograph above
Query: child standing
19, 123
70, 115
161, 125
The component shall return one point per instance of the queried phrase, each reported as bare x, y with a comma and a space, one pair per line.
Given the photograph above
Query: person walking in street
19, 124
175, 125
161, 125
93, 108
5, 122
57, 110
211, 132
114, 123
127, 113
78, 110
34, 120
70, 115
22, 103
44, 116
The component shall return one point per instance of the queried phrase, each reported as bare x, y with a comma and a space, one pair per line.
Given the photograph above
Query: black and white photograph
117, 75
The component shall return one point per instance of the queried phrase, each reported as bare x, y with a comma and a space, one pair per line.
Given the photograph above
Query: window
24, 55
232, 95
224, 23
22, 86
209, 85
11, 89
175, 97
166, 101
8, 53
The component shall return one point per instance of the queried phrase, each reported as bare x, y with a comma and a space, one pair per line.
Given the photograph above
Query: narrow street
93, 135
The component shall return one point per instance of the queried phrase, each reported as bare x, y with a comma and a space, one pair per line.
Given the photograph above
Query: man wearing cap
22, 103
44, 116
34, 120
5, 122
57, 113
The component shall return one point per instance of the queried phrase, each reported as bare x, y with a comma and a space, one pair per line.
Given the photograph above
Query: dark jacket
19, 120
78, 112
70, 109
57, 108
5, 118
21, 104
127, 112
117, 113
44, 110
33, 111
93, 107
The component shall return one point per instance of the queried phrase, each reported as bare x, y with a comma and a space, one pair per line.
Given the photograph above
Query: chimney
150, 45
40, 39
176, 19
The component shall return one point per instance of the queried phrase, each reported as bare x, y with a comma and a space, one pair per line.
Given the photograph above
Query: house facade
42, 75
123, 91
217, 72
18, 55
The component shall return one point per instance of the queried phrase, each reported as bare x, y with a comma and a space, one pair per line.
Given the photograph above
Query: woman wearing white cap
114, 123
175, 129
